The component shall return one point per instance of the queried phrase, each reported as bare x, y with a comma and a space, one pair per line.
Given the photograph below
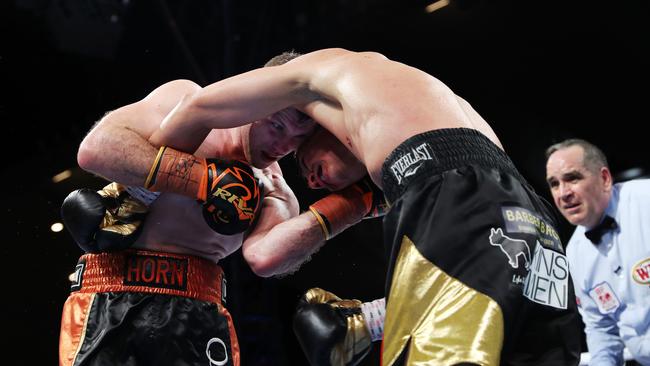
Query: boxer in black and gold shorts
477, 272
138, 307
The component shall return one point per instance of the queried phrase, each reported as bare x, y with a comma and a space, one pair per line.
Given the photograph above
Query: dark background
538, 71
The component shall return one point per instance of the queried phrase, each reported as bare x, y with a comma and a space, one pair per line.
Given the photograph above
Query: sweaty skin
118, 148
370, 103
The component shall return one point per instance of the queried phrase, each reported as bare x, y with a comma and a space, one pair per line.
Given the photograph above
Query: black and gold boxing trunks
477, 272
139, 307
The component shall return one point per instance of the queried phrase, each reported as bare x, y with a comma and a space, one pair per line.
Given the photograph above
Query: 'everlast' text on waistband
406, 166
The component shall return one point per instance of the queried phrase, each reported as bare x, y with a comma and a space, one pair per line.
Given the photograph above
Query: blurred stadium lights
436, 5
62, 176
56, 227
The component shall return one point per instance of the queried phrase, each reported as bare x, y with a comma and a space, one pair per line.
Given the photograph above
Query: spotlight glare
56, 227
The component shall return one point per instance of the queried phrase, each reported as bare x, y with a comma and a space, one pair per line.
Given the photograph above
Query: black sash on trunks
477, 272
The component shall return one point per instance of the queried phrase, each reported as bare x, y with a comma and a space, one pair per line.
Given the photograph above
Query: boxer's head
326, 163
273, 137
580, 181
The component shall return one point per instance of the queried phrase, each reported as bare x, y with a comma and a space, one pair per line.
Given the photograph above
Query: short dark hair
282, 58
593, 158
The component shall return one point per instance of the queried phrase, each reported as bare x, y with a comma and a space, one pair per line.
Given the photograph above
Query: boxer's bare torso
381, 103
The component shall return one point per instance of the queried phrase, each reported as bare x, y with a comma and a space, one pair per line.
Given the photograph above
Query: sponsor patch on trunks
521, 220
516, 250
155, 271
410, 162
547, 282
641, 272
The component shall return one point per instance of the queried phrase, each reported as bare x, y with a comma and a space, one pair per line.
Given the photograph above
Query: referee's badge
605, 298
641, 272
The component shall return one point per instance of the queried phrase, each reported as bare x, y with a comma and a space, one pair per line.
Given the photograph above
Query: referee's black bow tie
597, 232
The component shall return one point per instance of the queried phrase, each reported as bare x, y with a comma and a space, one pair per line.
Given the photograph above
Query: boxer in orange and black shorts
138, 307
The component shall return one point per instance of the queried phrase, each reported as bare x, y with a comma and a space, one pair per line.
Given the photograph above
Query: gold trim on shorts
445, 321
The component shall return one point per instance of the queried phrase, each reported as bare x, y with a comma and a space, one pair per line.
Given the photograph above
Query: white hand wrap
374, 313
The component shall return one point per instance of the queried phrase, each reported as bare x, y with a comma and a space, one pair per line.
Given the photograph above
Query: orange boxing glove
228, 189
178, 172
342, 209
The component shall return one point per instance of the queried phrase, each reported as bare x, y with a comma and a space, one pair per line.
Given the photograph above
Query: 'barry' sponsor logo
406, 166
154, 271
641, 272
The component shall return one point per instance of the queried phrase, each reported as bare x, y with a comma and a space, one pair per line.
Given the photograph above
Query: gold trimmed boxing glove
105, 220
331, 331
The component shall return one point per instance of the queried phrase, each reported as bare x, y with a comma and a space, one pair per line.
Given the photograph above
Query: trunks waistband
151, 272
433, 152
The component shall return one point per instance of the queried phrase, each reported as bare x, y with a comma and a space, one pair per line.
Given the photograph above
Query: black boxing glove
331, 331
229, 191
105, 220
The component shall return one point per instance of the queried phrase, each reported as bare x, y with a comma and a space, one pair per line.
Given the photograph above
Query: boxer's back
382, 103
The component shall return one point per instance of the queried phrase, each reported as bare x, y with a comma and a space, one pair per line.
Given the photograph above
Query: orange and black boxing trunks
147, 308
477, 273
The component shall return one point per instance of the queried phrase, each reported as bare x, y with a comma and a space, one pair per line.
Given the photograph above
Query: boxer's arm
118, 147
306, 83
281, 240
284, 248
346, 207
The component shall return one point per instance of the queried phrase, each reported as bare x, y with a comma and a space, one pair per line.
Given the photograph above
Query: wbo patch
605, 298
641, 272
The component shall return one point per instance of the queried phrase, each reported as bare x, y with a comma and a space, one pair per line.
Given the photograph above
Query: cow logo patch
512, 248
641, 272
605, 298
